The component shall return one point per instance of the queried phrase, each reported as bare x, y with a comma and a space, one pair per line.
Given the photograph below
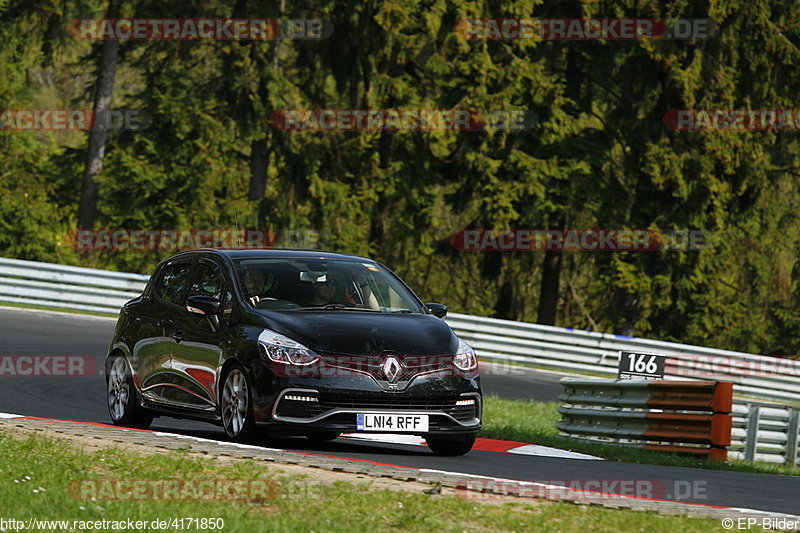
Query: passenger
324, 290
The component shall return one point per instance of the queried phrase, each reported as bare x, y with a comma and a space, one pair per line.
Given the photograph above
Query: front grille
329, 402
410, 366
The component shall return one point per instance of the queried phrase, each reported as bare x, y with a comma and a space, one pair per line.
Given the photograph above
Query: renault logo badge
391, 369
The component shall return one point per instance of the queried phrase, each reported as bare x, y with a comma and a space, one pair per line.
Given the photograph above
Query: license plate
391, 423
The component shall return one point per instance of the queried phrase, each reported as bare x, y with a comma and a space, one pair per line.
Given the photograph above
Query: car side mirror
439, 310
203, 305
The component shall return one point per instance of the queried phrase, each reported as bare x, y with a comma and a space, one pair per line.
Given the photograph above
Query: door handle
178, 336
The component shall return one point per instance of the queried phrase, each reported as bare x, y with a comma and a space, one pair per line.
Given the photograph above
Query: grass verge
58, 309
36, 472
536, 422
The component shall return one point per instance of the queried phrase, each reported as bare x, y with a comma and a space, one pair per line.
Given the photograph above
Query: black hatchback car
302, 342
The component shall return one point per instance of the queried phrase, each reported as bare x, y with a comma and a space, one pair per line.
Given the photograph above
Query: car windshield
323, 284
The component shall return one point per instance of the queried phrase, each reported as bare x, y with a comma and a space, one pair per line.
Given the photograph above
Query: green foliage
599, 155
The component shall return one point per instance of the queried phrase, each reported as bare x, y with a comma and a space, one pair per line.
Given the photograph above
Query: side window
172, 284
208, 282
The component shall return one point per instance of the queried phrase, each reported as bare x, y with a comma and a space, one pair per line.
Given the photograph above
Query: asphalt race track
83, 399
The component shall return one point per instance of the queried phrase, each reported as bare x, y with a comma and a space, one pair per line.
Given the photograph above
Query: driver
257, 284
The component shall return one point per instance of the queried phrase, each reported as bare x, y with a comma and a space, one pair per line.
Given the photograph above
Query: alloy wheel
235, 403
118, 388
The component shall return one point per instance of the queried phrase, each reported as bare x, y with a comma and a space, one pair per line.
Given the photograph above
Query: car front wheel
450, 445
236, 406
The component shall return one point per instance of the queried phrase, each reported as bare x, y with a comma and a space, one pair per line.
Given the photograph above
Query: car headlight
465, 358
282, 349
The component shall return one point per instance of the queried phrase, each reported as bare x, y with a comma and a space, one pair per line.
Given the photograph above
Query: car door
197, 356
152, 351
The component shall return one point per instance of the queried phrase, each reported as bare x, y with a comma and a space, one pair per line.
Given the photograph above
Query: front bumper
453, 403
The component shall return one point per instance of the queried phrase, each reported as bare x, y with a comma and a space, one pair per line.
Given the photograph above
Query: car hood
364, 333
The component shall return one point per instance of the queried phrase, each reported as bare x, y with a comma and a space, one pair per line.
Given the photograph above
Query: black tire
323, 436
236, 405
450, 445
122, 397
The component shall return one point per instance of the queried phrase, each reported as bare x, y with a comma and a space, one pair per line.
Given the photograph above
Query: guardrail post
751, 441
791, 435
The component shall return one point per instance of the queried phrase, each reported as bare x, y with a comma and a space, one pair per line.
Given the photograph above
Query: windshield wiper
326, 307
404, 311
337, 307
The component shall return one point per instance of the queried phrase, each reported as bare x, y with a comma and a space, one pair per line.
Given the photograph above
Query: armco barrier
85, 289
691, 417
567, 349
574, 350
765, 432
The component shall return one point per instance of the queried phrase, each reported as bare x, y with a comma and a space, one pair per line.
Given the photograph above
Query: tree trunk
276, 47
258, 168
553, 259
626, 308
504, 307
259, 153
104, 90
549, 289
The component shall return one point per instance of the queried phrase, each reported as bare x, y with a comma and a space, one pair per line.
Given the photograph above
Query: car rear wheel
236, 406
450, 445
123, 403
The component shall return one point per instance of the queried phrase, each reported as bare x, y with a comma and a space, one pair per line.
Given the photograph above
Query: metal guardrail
88, 289
575, 350
765, 432
52, 285
690, 417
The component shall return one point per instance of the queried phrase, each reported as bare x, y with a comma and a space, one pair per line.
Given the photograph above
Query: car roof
276, 253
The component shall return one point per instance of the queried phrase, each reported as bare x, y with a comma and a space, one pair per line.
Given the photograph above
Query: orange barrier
670, 416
